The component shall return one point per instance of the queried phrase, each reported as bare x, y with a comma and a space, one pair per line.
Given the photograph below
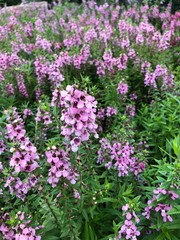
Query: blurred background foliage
175, 3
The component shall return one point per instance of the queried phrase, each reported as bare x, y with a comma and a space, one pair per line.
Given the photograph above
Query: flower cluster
120, 156
21, 231
160, 73
43, 44
110, 111
162, 207
2, 146
24, 152
130, 110
43, 116
122, 88
21, 85
110, 63
129, 229
20, 188
101, 114
9, 89
27, 112
60, 166
78, 114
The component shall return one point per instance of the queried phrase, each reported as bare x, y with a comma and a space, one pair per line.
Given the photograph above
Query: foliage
157, 120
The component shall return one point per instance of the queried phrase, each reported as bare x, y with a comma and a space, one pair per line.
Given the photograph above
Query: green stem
67, 214
53, 213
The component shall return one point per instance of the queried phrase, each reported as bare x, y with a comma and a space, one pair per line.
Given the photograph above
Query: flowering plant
89, 123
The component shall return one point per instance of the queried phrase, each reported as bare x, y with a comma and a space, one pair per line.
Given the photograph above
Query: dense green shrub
160, 122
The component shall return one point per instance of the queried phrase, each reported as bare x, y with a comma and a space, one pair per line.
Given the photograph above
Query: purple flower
60, 167
173, 195
128, 230
122, 88
164, 208
27, 112
110, 111
130, 110
119, 156
101, 114
9, 89
24, 152
125, 207
20, 188
2, 146
75, 144
76, 194
21, 231
43, 116
78, 114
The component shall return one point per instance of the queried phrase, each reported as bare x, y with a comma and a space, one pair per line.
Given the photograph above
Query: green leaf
162, 197
173, 237
176, 145
92, 234
47, 237
86, 232
92, 211
128, 191
174, 210
173, 225
48, 223
136, 199
166, 233
53, 234
85, 215
155, 236
65, 233
160, 237
159, 221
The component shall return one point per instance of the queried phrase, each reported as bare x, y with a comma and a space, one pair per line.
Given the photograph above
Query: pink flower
110, 111
75, 144
27, 112
173, 195
24, 154
128, 216
78, 114
125, 207
122, 88
60, 167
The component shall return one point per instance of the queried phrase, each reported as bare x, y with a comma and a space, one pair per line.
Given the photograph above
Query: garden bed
89, 122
